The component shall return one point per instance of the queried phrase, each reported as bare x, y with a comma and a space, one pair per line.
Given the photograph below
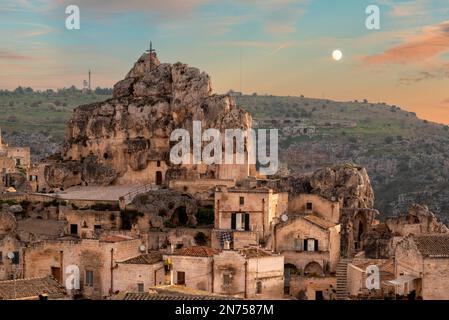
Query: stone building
96, 260
249, 273
357, 276
192, 267
421, 267
14, 163
310, 243
11, 258
245, 216
140, 273
89, 223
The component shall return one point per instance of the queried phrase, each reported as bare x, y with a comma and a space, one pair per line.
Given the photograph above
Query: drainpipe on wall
61, 271
213, 276
263, 217
23, 263
246, 278
112, 271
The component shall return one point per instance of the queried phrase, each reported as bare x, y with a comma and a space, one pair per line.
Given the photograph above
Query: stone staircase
342, 271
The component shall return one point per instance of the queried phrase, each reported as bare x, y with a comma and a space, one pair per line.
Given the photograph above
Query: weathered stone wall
127, 276
328, 210
198, 271
92, 255
305, 288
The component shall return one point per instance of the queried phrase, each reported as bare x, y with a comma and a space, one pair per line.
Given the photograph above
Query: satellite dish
142, 248
10, 255
284, 218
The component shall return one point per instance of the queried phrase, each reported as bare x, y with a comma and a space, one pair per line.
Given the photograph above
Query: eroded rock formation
381, 241
350, 185
167, 208
125, 139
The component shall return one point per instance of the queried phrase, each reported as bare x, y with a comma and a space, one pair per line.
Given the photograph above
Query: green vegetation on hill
26, 111
406, 157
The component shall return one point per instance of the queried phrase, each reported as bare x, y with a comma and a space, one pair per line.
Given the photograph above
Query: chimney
227, 245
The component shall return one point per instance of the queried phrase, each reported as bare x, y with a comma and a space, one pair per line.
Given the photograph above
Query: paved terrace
105, 193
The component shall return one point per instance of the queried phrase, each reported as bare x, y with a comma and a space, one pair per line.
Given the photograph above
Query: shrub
205, 216
201, 239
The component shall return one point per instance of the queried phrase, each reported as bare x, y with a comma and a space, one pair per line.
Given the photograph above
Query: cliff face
126, 139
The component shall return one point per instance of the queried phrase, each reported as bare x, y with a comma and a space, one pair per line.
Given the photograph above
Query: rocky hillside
405, 157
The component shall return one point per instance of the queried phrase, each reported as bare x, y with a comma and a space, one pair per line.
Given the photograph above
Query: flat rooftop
106, 193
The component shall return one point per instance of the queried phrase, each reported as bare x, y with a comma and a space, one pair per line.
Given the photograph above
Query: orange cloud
10, 55
431, 42
173, 8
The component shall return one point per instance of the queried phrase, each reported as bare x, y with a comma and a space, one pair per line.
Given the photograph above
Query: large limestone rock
118, 138
380, 242
167, 207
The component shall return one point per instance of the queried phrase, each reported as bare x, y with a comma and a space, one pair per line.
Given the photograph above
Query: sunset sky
280, 47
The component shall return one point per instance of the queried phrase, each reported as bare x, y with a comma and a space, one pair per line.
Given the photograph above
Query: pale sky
280, 47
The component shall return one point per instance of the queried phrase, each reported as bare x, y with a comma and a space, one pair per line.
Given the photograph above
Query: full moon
337, 55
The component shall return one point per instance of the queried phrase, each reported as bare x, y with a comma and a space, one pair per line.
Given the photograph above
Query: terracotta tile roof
161, 296
254, 253
175, 292
149, 258
114, 238
320, 222
433, 245
31, 288
197, 252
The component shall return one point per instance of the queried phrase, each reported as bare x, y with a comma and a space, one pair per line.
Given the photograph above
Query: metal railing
129, 197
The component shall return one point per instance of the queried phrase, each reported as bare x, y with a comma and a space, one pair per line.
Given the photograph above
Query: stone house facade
310, 243
140, 273
96, 260
246, 215
421, 266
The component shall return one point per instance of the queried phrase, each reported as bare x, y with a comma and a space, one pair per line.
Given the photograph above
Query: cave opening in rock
179, 217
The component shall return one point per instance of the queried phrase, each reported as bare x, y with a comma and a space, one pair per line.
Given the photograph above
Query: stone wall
127, 276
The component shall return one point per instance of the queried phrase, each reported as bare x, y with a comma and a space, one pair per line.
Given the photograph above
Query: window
227, 279
74, 229
158, 164
16, 258
310, 245
298, 244
181, 278
240, 221
18, 162
89, 278
97, 227
140, 287
1, 257
309, 206
259, 287
242, 201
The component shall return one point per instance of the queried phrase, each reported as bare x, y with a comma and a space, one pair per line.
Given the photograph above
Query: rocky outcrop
167, 208
418, 220
116, 141
380, 242
350, 185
